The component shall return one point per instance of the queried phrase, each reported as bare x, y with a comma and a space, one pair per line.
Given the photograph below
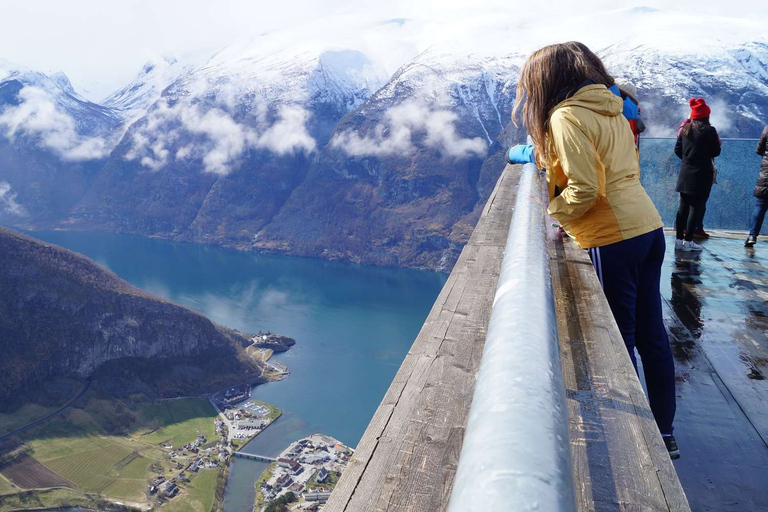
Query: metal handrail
516, 453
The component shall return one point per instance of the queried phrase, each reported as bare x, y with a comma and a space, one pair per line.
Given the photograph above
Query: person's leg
651, 338
694, 213
682, 217
617, 266
758, 215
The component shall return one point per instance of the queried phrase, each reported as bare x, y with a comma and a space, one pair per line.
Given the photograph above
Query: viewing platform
716, 310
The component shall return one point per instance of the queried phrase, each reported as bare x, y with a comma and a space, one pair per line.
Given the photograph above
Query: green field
177, 422
22, 416
78, 446
90, 470
198, 495
330, 482
5, 486
49, 498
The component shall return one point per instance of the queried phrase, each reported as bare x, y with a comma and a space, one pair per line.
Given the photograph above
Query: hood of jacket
595, 98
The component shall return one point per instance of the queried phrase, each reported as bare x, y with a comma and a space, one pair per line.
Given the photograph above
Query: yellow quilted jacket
593, 161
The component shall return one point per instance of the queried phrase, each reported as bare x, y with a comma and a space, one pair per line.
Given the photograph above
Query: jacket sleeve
679, 146
579, 162
521, 154
763, 142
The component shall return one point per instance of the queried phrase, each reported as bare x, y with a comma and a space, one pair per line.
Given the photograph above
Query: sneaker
678, 245
691, 246
751, 240
700, 233
672, 449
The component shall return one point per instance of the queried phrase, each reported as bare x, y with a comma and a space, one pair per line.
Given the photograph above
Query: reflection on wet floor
716, 308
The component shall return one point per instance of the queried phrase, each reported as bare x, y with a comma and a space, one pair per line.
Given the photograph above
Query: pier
254, 456
421, 451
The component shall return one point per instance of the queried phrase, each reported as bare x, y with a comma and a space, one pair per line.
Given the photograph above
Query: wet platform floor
716, 308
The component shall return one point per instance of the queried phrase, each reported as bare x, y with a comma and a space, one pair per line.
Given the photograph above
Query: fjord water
353, 325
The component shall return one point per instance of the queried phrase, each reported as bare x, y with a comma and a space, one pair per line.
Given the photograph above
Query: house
171, 490
283, 481
320, 497
322, 476
285, 463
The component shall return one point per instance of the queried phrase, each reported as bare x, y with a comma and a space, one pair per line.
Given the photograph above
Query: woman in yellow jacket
587, 146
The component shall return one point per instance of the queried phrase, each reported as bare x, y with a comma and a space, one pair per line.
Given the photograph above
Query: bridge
254, 456
518, 393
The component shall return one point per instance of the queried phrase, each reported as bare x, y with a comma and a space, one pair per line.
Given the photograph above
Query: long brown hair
696, 125
550, 75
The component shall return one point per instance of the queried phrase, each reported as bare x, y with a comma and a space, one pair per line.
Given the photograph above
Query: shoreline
305, 472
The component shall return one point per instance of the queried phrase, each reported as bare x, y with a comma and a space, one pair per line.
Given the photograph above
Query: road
51, 415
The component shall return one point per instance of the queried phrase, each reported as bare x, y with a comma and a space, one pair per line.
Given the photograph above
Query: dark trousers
758, 214
689, 215
630, 274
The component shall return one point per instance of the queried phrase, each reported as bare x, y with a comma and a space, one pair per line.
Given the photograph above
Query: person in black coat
697, 146
761, 191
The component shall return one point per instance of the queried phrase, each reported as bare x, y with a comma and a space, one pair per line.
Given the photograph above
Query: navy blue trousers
758, 214
630, 274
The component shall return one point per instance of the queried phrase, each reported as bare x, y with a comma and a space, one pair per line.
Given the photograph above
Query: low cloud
219, 140
402, 124
8, 200
36, 116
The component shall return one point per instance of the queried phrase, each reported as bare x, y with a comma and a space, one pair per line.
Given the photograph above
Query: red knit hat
699, 108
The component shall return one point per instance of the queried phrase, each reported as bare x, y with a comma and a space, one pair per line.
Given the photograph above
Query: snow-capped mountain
89, 118
307, 149
135, 98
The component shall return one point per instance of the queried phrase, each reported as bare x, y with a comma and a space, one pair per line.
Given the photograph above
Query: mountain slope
286, 146
217, 156
52, 144
61, 315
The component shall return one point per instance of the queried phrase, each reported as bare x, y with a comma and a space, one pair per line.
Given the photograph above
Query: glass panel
731, 201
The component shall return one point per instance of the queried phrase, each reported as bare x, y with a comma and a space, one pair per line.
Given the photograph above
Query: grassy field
49, 498
80, 446
23, 416
5, 486
330, 482
177, 422
198, 494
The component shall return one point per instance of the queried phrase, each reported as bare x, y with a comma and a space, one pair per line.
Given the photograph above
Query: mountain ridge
309, 151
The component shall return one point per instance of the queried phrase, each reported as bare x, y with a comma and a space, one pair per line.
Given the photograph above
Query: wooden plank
407, 457
619, 458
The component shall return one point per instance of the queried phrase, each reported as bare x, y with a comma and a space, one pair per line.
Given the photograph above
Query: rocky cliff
61, 315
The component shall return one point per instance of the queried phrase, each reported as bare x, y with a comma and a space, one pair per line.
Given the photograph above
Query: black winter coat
696, 150
761, 189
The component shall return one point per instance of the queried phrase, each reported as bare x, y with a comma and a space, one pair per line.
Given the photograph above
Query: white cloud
404, 122
289, 133
8, 200
219, 139
97, 44
36, 116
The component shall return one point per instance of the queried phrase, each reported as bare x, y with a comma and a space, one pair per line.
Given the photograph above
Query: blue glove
521, 154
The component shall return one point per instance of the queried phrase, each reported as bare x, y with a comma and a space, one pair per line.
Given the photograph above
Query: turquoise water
353, 325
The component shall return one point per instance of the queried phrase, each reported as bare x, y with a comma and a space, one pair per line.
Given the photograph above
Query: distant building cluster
310, 469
